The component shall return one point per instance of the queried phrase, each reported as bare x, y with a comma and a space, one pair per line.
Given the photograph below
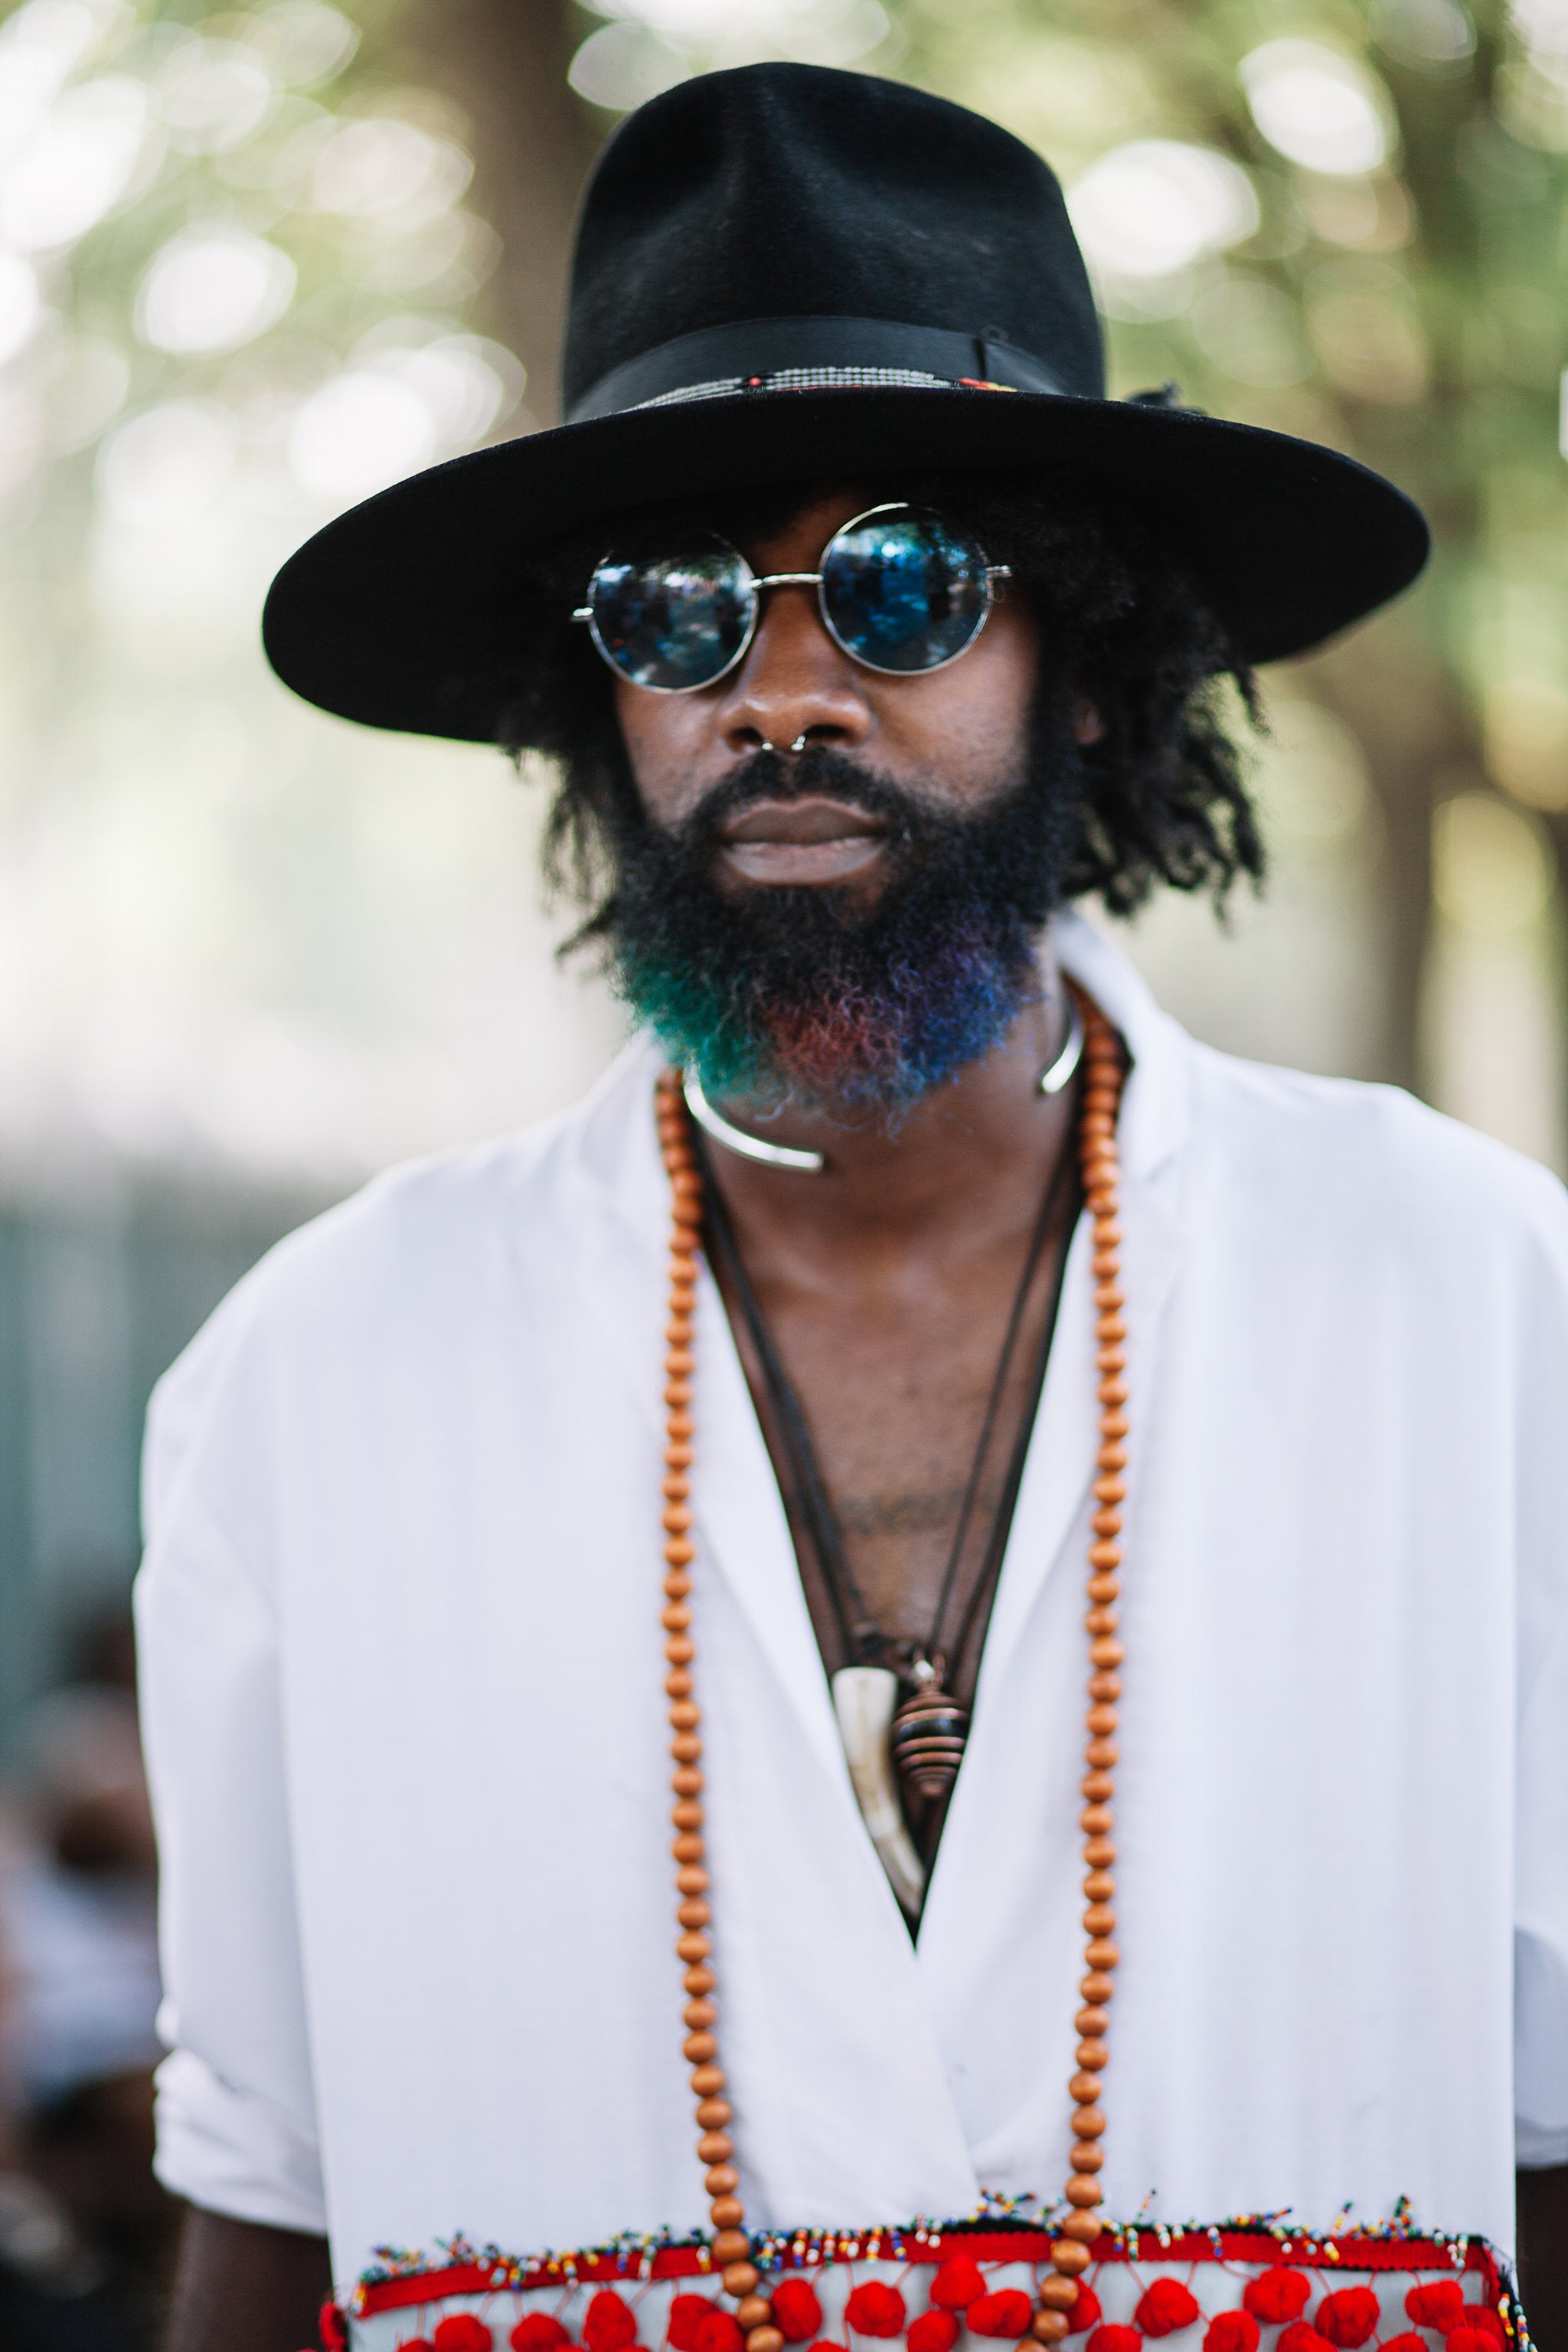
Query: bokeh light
1145, 211
169, 465
234, 290
389, 169
210, 289
1426, 36
649, 46
1316, 108
21, 306
213, 95
76, 163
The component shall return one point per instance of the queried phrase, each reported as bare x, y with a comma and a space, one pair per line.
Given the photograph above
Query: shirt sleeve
1541, 1913
235, 2108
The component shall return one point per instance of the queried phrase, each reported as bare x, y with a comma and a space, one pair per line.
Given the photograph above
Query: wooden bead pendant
928, 1737
929, 1730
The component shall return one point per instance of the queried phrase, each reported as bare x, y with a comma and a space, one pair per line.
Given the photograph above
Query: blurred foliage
241, 214
240, 280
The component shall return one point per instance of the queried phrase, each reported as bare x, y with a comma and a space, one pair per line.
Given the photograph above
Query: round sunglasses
899, 591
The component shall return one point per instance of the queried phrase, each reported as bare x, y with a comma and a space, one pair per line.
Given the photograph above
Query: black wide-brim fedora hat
787, 272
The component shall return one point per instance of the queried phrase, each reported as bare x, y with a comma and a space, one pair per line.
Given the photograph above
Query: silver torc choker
812, 1163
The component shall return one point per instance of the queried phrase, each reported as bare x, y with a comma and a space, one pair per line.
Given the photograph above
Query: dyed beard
826, 995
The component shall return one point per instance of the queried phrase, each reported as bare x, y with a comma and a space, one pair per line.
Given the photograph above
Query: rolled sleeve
237, 2130
233, 2151
1541, 1931
1540, 1876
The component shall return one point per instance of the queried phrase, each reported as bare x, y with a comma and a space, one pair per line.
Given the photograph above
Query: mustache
766, 775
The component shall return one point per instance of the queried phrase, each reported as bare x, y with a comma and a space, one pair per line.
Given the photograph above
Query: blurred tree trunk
1404, 710
504, 62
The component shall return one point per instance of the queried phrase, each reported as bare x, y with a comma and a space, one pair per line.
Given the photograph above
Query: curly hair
1164, 797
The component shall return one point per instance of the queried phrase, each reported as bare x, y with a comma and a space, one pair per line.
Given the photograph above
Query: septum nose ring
798, 745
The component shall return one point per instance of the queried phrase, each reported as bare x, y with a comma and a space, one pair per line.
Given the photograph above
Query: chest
897, 1410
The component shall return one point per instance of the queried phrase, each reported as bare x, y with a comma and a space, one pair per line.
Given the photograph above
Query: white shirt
403, 1698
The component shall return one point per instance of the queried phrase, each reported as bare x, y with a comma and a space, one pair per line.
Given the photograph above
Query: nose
793, 683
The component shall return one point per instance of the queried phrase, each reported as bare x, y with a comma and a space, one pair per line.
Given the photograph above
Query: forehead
779, 540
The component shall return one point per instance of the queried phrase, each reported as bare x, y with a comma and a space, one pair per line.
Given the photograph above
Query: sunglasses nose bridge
794, 678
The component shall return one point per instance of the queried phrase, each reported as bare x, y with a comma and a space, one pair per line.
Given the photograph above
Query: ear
1088, 726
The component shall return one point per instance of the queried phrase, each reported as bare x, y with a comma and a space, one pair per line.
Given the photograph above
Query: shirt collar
1154, 1108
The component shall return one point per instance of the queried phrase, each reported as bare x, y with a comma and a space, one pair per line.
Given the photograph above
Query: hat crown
790, 192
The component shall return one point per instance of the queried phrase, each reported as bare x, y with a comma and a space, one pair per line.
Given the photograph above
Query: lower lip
781, 862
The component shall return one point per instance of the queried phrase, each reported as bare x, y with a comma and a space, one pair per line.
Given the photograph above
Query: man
868, 633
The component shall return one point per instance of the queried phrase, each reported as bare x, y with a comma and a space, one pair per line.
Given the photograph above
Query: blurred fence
96, 1299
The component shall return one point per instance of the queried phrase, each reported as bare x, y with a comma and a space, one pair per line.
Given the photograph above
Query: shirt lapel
1049, 1532
882, 2123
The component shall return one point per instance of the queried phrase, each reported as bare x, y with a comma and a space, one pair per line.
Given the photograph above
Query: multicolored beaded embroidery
1230, 2288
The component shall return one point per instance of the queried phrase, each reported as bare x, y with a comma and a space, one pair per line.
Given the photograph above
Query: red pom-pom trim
1409, 2342
334, 2327
1482, 2316
934, 2331
959, 2281
608, 2326
1086, 2311
719, 2331
1232, 2331
797, 2314
1166, 2307
1466, 2338
1280, 2293
535, 2332
1006, 2313
1440, 2306
461, 2332
686, 2311
875, 2310
1113, 2338
1348, 2317
1300, 2337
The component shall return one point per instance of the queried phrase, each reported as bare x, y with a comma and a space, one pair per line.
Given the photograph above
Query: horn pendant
928, 1738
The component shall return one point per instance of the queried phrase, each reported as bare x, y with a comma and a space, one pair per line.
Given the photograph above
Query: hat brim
409, 612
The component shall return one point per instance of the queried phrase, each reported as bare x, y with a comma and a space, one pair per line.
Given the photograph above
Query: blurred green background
256, 264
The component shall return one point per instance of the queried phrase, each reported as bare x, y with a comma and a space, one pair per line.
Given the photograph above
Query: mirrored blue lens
674, 622
903, 592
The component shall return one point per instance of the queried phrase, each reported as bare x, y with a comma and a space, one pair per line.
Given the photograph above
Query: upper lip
814, 816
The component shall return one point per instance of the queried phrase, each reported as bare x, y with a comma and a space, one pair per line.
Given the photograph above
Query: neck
960, 1170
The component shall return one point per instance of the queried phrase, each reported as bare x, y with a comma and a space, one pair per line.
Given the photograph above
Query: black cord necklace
930, 1727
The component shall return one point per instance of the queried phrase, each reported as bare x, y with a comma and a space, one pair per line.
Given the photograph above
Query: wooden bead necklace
1070, 2253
